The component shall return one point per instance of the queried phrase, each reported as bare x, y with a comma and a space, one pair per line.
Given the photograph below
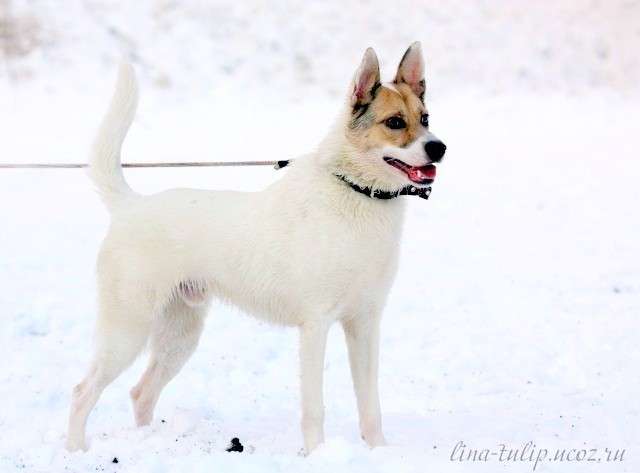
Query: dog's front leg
313, 341
363, 334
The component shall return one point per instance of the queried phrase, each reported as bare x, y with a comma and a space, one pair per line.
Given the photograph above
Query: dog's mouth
418, 174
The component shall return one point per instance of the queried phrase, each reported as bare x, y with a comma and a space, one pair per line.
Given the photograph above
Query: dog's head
390, 145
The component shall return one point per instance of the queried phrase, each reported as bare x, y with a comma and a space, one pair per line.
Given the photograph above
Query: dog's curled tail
104, 163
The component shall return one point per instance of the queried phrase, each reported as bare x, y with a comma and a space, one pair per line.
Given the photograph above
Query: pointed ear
411, 70
366, 80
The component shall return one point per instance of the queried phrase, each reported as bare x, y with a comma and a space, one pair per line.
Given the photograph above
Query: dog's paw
311, 442
310, 447
375, 439
74, 445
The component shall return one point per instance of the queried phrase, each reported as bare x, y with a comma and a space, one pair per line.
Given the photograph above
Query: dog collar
422, 192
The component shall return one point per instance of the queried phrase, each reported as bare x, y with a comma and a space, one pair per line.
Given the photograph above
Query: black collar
422, 192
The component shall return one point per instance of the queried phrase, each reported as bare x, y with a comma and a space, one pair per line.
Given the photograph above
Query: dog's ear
411, 70
366, 79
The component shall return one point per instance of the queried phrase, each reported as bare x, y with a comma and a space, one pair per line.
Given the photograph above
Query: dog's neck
325, 176
422, 192
339, 157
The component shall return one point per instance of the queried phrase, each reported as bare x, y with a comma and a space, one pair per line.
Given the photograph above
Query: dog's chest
308, 261
334, 261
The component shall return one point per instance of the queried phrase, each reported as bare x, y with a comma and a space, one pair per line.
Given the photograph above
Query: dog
318, 246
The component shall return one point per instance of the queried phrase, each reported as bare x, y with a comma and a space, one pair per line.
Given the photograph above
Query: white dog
318, 246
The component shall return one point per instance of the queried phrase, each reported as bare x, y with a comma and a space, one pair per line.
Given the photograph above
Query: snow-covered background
515, 316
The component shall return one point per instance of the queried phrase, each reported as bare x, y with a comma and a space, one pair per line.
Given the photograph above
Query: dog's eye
395, 123
424, 120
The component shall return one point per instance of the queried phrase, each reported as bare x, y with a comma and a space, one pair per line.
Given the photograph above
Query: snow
514, 316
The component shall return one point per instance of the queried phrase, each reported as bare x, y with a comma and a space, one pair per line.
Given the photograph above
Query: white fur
308, 251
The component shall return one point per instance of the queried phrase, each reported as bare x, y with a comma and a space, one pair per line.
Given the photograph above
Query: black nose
435, 150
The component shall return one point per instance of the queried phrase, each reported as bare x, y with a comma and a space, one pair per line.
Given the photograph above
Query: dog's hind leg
174, 337
121, 334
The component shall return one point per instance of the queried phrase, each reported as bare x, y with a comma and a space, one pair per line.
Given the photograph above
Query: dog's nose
435, 150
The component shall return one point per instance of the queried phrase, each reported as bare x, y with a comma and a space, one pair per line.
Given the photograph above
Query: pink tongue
420, 174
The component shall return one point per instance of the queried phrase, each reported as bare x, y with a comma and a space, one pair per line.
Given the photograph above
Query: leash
143, 165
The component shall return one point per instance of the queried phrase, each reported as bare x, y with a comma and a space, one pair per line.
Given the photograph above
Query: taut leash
141, 165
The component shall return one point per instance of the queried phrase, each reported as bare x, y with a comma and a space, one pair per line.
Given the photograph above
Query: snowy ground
515, 314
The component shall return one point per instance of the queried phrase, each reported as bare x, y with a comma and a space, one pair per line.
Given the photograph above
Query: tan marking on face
391, 87
397, 101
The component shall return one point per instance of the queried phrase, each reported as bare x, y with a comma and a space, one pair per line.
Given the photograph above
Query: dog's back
266, 252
